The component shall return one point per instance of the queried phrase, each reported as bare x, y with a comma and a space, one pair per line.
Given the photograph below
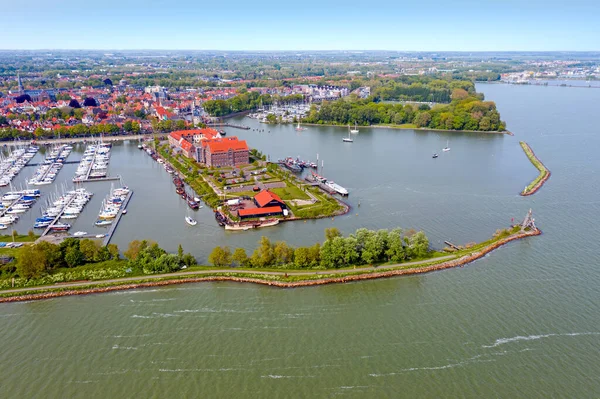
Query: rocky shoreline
330, 280
533, 158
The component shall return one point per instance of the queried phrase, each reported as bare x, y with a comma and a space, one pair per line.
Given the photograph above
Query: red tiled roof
266, 196
186, 145
259, 211
225, 144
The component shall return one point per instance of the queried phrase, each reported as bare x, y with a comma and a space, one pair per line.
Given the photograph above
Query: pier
115, 222
58, 216
64, 163
108, 178
227, 124
5, 210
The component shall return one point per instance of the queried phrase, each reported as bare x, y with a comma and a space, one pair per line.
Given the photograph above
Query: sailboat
447, 148
355, 130
348, 139
299, 128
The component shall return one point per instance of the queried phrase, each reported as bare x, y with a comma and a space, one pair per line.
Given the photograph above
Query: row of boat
111, 206
53, 163
15, 202
11, 165
296, 165
94, 162
67, 206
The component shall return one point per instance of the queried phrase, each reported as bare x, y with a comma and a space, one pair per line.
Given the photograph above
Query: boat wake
503, 341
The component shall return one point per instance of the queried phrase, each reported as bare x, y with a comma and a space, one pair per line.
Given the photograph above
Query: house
268, 198
220, 152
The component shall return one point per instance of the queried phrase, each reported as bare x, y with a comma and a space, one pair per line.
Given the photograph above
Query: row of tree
465, 112
247, 101
363, 247
44, 257
438, 91
148, 258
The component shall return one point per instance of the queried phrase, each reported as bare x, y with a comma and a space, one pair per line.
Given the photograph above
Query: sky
415, 25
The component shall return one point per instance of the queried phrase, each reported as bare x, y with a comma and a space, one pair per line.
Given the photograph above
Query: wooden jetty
117, 219
108, 178
58, 216
41, 163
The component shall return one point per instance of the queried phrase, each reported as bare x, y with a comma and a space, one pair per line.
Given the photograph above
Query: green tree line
246, 101
363, 247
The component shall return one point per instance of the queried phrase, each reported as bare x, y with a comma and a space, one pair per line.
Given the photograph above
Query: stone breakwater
282, 284
539, 165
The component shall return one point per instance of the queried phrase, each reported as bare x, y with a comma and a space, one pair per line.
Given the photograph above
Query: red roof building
258, 212
267, 198
218, 152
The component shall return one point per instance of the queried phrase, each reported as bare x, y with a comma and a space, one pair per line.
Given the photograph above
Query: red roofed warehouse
267, 198
227, 151
258, 212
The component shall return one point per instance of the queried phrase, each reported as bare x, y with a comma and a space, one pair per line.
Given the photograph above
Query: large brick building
227, 151
208, 147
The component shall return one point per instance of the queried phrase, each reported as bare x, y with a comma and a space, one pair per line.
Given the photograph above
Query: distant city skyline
436, 25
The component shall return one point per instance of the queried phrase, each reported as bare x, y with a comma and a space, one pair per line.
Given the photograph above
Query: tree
419, 245
331, 233
302, 257
74, 104
240, 257
283, 253
180, 251
263, 255
54, 256
74, 257
89, 249
220, 256
90, 102
31, 235
395, 246
134, 248
113, 250
31, 262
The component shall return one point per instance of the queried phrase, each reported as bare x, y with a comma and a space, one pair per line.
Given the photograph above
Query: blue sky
459, 25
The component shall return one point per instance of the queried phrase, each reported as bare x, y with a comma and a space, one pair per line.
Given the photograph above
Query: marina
122, 209
94, 163
65, 207
14, 203
14, 162
53, 163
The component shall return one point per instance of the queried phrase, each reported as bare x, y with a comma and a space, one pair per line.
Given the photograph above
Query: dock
58, 216
5, 210
115, 222
108, 178
227, 124
39, 164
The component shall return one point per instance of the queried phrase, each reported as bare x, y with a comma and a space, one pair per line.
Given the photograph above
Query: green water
521, 322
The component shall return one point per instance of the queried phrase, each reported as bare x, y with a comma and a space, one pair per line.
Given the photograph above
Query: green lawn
290, 192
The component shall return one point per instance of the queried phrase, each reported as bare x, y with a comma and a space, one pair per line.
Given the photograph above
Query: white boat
3, 227
447, 148
101, 223
190, 221
355, 130
299, 128
336, 187
348, 139
79, 233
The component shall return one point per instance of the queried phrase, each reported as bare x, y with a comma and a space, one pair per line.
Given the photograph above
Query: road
213, 271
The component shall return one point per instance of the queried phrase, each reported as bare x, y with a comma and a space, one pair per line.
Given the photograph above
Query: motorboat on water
190, 221
60, 227
434, 155
79, 233
101, 223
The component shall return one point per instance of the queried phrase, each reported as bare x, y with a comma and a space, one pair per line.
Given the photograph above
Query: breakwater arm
282, 279
544, 175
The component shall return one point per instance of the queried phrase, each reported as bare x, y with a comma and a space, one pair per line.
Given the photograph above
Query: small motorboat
190, 221
100, 235
103, 222
79, 233
434, 156
124, 212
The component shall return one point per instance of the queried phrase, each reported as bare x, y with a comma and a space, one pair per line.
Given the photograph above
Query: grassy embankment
96, 273
544, 172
